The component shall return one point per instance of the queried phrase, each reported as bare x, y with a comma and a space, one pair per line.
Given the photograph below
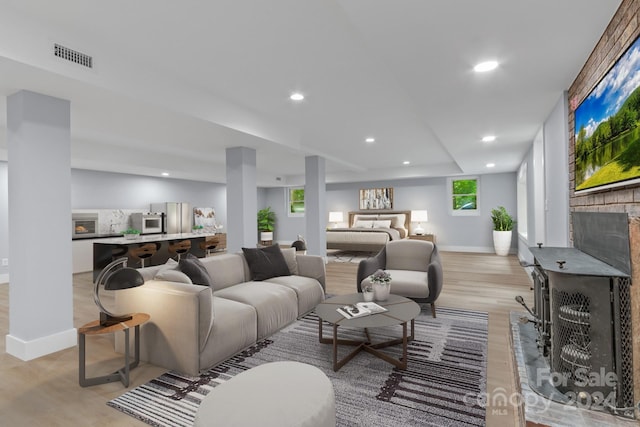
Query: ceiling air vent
72, 55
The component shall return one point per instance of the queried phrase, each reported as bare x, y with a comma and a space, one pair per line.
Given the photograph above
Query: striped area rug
446, 373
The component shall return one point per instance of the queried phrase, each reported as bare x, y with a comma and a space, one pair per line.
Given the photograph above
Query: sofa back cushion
290, 258
413, 255
225, 270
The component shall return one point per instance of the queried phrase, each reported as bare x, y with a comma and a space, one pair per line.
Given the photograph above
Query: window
295, 201
463, 196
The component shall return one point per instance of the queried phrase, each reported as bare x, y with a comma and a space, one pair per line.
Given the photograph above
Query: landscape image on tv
607, 127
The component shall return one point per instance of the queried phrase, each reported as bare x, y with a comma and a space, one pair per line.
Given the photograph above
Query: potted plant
502, 230
381, 281
131, 233
266, 221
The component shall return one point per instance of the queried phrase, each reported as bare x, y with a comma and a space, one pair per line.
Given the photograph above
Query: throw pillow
363, 224
382, 224
148, 273
265, 263
197, 272
173, 276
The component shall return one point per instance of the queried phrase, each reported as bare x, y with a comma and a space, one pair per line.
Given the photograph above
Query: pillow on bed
363, 224
365, 217
382, 224
397, 220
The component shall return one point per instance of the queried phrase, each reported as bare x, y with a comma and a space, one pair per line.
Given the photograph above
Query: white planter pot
266, 236
502, 242
381, 291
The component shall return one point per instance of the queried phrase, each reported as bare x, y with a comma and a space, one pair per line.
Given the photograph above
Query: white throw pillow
173, 276
382, 224
363, 224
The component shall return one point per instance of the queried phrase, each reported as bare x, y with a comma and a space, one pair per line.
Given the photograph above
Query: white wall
556, 153
468, 233
548, 184
106, 190
4, 221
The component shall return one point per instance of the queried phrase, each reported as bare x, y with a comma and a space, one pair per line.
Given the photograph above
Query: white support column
242, 199
315, 205
39, 175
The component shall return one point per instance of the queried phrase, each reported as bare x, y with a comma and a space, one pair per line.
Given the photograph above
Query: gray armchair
415, 268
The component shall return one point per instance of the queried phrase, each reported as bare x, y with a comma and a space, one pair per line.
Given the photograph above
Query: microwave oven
84, 225
147, 223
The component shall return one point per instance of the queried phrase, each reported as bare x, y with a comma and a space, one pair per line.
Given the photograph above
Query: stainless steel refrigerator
178, 216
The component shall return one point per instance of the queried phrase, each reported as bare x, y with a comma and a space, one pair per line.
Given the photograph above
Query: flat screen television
607, 128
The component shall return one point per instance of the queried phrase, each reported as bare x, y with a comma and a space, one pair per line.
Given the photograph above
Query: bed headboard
378, 214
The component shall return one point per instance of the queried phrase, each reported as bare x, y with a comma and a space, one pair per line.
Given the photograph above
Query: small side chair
414, 266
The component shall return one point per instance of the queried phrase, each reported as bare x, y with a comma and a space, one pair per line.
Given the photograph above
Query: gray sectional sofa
194, 327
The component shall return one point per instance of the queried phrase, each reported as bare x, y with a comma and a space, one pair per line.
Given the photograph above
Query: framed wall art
376, 198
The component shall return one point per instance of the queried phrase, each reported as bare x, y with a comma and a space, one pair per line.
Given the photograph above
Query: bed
369, 231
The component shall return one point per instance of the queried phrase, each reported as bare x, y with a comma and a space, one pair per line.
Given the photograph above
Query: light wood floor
45, 391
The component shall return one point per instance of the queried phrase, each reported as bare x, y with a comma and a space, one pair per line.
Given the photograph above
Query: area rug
353, 257
442, 386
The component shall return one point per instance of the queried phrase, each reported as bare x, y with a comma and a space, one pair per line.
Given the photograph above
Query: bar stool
209, 245
180, 248
118, 252
144, 251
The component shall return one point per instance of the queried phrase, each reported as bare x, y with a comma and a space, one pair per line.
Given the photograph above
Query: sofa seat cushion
234, 329
407, 283
276, 305
308, 290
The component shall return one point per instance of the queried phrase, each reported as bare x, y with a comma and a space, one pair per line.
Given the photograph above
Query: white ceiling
175, 83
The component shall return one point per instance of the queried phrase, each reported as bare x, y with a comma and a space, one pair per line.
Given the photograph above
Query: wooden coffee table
400, 311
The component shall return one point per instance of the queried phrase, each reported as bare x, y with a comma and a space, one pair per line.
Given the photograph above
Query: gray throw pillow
197, 272
265, 263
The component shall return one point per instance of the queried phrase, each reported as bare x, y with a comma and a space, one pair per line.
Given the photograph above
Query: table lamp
335, 218
115, 276
419, 217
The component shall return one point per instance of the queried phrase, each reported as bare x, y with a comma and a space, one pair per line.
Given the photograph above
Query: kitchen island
155, 249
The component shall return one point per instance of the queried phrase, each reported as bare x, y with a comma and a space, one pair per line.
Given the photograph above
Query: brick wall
623, 29
621, 32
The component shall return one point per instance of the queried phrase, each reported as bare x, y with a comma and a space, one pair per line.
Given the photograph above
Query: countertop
153, 238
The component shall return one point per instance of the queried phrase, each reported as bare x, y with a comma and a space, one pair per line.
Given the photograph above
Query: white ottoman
278, 394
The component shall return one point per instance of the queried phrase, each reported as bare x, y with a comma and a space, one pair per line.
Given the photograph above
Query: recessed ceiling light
165, 174
488, 138
297, 96
491, 165
406, 162
370, 140
483, 67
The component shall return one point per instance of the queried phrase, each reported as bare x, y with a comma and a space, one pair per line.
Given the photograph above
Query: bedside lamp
335, 218
114, 278
419, 217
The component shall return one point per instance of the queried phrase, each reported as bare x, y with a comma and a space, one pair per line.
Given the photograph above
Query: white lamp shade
419, 216
335, 217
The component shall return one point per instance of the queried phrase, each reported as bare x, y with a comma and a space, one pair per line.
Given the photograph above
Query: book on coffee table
360, 309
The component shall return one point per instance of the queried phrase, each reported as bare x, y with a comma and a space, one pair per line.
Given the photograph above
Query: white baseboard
4, 278
29, 350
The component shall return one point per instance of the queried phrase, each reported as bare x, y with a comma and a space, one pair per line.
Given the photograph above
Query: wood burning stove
583, 313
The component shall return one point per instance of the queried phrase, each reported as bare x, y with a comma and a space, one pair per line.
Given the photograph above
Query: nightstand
426, 237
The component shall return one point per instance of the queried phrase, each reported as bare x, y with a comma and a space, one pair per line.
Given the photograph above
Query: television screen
607, 128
